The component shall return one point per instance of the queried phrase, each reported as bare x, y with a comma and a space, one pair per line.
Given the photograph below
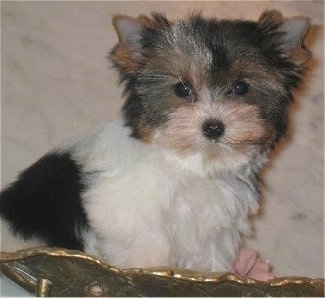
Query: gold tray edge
170, 272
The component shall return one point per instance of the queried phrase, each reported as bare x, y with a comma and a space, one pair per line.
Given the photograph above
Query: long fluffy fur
143, 194
151, 189
147, 207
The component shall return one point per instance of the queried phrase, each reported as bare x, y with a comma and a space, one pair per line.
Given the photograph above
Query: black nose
213, 128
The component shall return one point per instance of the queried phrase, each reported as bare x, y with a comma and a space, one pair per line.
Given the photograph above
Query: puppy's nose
213, 129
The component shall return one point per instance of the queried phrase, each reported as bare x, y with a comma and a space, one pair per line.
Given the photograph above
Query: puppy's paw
250, 265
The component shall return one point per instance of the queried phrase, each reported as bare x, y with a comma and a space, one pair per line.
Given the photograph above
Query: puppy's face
220, 88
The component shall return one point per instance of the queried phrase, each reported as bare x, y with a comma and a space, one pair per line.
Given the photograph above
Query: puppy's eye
241, 88
182, 89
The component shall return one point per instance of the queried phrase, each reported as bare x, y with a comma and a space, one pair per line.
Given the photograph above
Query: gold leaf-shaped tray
56, 272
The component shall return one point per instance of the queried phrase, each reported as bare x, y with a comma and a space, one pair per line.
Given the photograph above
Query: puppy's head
215, 87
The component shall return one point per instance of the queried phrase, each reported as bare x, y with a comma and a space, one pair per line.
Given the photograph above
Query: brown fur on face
124, 58
244, 128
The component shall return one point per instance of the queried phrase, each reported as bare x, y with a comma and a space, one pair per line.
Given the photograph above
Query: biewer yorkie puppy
173, 182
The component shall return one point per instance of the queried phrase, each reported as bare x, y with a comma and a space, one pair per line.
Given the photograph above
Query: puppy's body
174, 181
161, 209
146, 207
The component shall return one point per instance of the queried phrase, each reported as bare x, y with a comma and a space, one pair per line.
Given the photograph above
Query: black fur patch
45, 202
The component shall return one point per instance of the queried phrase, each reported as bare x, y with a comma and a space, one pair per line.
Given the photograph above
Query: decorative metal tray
56, 272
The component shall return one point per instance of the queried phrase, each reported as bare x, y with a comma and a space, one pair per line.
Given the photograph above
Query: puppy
174, 179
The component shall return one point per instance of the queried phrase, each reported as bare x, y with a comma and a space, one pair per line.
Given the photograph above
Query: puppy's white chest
146, 210
147, 218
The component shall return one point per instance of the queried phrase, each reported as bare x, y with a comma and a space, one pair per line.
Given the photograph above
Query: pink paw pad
250, 265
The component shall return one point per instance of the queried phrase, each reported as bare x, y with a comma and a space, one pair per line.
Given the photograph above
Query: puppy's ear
128, 53
289, 37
